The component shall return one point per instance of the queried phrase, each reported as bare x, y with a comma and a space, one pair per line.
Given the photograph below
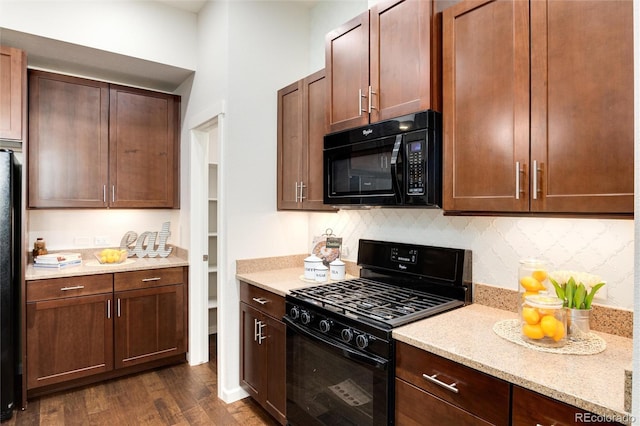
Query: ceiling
189, 5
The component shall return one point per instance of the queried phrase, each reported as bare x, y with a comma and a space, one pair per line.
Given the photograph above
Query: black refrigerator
10, 280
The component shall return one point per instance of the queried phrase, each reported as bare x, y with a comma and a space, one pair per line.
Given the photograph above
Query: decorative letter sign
145, 245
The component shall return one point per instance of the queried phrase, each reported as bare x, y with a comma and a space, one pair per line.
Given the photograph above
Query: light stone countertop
592, 382
89, 265
466, 336
279, 281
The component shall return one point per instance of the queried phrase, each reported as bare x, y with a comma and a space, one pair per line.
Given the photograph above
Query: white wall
142, 29
602, 247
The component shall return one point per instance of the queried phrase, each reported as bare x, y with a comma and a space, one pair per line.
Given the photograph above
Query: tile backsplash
598, 246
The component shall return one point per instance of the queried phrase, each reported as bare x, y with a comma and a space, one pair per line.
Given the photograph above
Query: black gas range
340, 351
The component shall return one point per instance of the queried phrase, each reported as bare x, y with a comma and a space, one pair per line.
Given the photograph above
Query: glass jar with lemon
544, 320
532, 277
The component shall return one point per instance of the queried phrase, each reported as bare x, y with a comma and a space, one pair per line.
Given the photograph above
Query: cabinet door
276, 366
400, 52
143, 148
290, 145
486, 106
347, 68
582, 106
149, 324
13, 89
253, 366
68, 141
530, 408
68, 339
314, 117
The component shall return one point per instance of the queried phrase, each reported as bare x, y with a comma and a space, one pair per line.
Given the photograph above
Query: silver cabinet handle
109, 308
452, 387
535, 179
75, 287
360, 109
118, 308
518, 171
104, 194
256, 329
260, 300
296, 183
371, 93
261, 337
302, 185
145, 280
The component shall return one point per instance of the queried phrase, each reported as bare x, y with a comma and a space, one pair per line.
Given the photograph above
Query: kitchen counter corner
466, 336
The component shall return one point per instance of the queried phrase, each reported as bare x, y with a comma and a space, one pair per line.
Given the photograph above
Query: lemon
559, 334
533, 331
103, 259
530, 315
549, 325
539, 275
531, 284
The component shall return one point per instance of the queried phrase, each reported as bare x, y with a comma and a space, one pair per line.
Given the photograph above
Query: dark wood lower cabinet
432, 390
263, 349
531, 408
149, 325
68, 338
85, 329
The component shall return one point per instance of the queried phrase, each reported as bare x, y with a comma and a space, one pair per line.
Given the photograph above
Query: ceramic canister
310, 264
321, 273
337, 268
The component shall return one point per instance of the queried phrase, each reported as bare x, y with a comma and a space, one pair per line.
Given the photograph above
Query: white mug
337, 270
321, 273
310, 264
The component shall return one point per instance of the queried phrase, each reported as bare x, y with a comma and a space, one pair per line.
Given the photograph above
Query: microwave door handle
394, 169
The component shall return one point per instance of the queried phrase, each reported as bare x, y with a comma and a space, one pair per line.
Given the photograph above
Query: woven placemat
590, 344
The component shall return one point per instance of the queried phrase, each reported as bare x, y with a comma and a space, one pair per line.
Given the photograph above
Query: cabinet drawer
415, 407
148, 278
263, 300
532, 408
477, 393
57, 288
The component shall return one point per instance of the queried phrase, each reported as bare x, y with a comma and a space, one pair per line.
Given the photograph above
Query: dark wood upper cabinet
301, 130
582, 106
382, 64
143, 148
93, 144
13, 93
68, 141
538, 107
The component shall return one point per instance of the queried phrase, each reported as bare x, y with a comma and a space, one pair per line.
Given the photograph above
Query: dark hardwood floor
177, 395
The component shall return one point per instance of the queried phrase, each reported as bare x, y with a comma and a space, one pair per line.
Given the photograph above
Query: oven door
329, 383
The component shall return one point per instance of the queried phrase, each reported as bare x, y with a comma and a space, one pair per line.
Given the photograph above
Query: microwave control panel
415, 168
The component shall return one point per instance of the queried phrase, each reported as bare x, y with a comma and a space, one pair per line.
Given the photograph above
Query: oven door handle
347, 352
395, 163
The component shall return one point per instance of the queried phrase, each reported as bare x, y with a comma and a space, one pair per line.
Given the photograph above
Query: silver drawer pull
145, 280
452, 387
260, 300
75, 287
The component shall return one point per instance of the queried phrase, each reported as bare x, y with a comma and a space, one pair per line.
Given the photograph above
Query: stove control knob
362, 341
305, 317
325, 325
294, 313
346, 335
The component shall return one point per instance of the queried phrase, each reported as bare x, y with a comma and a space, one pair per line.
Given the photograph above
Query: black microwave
393, 163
